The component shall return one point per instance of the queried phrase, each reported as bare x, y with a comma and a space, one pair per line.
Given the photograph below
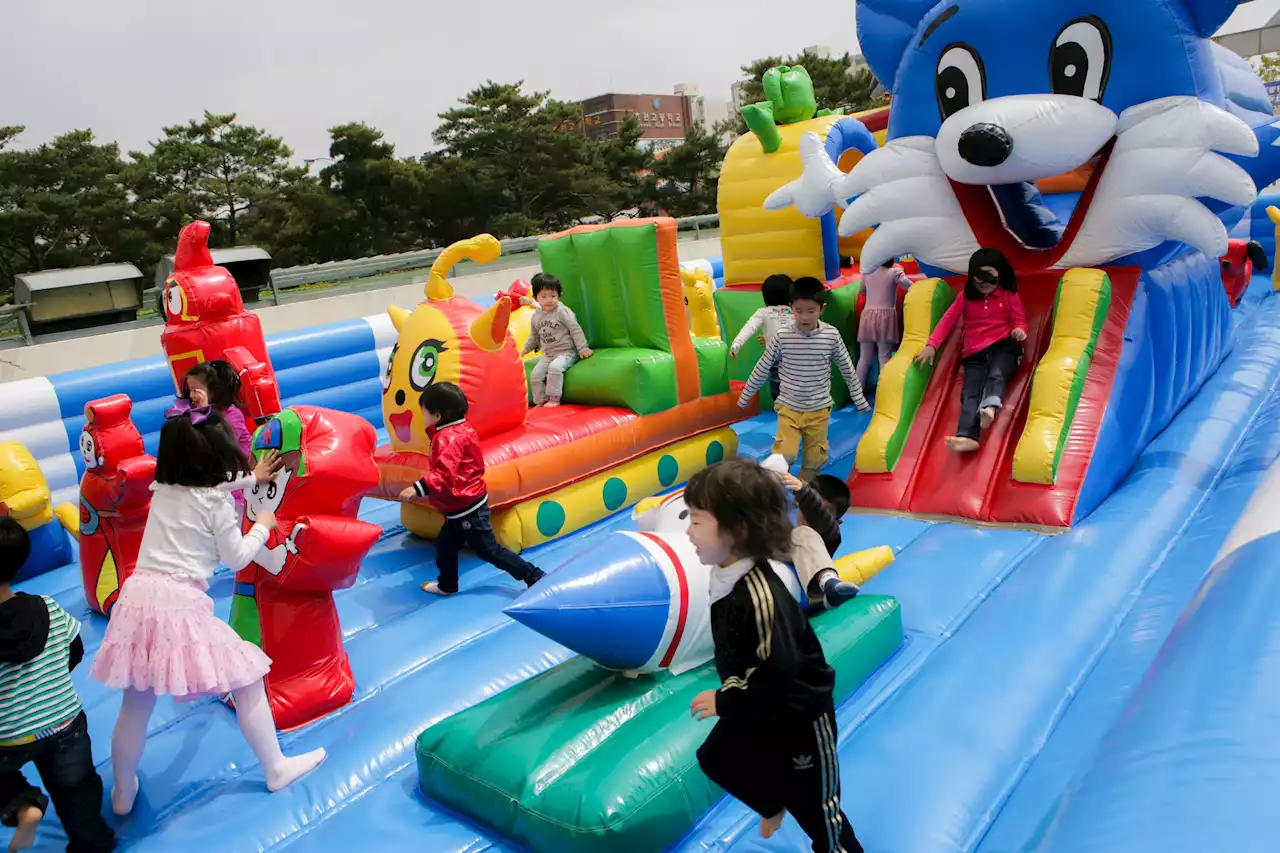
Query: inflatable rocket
115, 499
637, 602
283, 601
205, 320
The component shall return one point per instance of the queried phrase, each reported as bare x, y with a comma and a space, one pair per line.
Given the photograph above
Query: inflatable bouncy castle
25, 496
649, 408
1070, 643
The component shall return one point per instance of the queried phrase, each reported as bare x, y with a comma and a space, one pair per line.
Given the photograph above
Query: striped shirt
38, 694
804, 368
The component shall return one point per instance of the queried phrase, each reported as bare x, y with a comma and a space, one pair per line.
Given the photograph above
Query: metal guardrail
12, 318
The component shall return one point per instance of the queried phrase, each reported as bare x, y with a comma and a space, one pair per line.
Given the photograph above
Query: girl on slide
994, 329
163, 638
878, 332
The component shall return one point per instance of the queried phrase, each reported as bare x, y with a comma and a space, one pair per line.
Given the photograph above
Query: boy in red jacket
455, 486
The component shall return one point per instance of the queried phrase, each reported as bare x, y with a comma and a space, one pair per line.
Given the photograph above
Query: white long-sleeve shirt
190, 530
771, 318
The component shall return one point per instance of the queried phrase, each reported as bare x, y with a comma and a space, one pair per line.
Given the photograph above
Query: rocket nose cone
609, 603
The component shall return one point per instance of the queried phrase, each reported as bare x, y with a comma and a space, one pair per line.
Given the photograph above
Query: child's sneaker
434, 588
836, 592
538, 575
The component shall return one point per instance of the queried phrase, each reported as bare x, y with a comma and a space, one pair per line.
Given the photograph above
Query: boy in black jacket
774, 746
820, 505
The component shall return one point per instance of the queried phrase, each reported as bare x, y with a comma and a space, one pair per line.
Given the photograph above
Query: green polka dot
614, 493
715, 453
550, 518
668, 470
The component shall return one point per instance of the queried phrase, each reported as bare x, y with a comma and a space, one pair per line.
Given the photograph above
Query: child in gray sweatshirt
555, 331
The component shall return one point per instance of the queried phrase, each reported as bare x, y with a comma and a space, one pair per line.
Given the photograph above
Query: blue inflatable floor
1020, 651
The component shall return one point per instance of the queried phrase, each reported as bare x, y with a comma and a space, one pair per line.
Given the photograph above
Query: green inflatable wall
582, 759
611, 281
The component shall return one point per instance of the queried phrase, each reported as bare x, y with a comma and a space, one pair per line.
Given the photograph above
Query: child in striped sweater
41, 718
804, 352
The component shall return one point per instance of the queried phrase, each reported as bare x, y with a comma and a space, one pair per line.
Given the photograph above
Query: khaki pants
809, 556
807, 427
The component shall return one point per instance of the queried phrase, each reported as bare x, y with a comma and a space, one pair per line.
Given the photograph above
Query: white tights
253, 713
868, 351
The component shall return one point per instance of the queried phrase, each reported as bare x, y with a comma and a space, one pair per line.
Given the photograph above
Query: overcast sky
125, 68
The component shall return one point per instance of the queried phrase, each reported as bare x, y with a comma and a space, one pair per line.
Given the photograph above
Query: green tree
625, 166
684, 179
212, 168
523, 171
834, 87
1268, 67
63, 204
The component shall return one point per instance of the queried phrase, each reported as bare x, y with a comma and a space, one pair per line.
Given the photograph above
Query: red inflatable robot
283, 602
205, 320
115, 497
1238, 265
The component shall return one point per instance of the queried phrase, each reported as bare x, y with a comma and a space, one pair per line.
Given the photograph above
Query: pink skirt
164, 637
878, 325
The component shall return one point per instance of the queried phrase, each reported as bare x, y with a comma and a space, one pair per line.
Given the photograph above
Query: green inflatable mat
582, 759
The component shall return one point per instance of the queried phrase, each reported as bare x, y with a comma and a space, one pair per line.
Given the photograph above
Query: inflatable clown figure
115, 499
283, 601
205, 320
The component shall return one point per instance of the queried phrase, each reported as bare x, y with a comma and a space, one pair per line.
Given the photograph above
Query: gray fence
336, 272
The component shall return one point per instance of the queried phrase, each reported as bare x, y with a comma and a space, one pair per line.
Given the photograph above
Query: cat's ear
885, 32
1209, 15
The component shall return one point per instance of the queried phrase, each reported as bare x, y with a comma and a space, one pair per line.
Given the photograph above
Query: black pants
775, 383
790, 766
65, 762
475, 531
986, 373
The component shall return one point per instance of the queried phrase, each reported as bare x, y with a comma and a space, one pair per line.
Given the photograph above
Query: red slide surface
930, 480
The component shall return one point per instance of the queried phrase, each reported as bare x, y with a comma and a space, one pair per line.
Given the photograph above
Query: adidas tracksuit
774, 746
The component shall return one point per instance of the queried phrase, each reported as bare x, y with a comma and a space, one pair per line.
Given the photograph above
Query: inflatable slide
1071, 647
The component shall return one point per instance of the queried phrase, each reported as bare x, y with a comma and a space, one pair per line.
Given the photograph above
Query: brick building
663, 118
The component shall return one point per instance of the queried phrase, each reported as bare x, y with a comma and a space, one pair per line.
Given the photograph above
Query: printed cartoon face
178, 303
89, 451
426, 351
668, 514
209, 293
271, 495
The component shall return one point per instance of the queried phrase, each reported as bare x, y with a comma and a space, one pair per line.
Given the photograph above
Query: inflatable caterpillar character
451, 339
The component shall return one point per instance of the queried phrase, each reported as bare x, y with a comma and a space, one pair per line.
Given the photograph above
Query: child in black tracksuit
774, 746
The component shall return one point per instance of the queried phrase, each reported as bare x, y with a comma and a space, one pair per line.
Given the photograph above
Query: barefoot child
994, 329
455, 486
41, 718
774, 746
878, 332
775, 314
553, 329
804, 352
163, 637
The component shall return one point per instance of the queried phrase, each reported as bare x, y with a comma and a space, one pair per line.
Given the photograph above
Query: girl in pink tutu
163, 638
878, 334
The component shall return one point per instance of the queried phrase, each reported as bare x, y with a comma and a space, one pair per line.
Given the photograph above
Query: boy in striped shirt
41, 718
804, 352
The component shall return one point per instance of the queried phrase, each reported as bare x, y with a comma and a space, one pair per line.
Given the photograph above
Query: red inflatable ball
283, 601
115, 498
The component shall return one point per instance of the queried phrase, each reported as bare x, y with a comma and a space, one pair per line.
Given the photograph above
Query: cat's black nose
985, 144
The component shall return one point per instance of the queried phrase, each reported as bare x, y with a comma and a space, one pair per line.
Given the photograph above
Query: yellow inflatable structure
699, 303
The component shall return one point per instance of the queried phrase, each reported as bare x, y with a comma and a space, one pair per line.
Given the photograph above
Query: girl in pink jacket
994, 329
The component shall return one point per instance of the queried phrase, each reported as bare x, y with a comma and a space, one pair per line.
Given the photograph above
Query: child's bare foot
987, 417
28, 819
122, 797
434, 588
770, 825
292, 769
551, 404
962, 444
